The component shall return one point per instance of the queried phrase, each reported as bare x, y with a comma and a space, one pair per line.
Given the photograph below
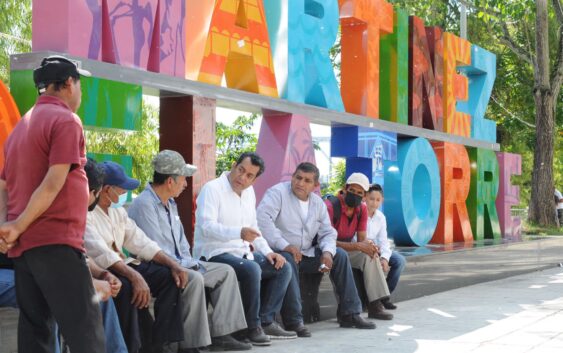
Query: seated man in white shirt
295, 222
108, 231
226, 231
156, 213
392, 262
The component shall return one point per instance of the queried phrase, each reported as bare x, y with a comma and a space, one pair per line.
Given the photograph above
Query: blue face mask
120, 202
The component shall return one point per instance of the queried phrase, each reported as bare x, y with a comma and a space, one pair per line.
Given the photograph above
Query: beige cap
358, 179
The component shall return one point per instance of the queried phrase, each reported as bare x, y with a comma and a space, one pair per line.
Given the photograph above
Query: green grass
534, 229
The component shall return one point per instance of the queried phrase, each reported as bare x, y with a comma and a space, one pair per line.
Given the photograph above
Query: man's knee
398, 261
249, 271
341, 258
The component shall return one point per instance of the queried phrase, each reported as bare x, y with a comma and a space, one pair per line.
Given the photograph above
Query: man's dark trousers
342, 280
53, 284
167, 326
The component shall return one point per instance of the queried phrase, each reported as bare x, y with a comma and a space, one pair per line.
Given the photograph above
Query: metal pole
463, 21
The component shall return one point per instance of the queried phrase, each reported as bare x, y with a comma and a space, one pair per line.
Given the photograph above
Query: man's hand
103, 289
276, 260
249, 234
141, 291
292, 249
4, 246
326, 260
180, 276
10, 232
368, 248
384, 264
114, 283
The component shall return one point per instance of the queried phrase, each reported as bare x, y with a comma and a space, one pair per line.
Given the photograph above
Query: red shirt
346, 227
50, 133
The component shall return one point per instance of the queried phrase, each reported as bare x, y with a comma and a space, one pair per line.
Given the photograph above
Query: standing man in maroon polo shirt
43, 207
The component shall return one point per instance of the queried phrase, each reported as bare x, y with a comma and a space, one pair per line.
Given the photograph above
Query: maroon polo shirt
49, 134
347, 227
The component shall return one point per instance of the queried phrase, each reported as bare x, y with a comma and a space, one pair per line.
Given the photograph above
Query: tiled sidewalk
517, 314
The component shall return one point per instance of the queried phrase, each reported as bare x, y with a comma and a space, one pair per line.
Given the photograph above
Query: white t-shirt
304, 208
560, 204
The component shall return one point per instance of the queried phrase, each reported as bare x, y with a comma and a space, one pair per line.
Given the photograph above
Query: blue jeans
261, 302
342, 280
114, 339
7, 289
397, 263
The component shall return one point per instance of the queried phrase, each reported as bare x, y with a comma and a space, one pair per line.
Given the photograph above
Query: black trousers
136, 324
53, 284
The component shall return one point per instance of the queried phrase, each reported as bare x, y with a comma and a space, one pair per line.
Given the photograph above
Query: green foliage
141, 145
15, 32
534, 229
234, 140
337, 179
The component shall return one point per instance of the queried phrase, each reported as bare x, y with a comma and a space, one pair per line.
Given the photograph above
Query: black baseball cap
56, 68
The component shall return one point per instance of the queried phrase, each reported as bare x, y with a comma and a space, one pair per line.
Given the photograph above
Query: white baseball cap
358, 179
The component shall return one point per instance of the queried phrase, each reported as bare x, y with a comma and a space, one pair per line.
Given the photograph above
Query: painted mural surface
394, 67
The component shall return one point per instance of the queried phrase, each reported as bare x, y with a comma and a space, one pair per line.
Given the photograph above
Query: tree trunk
542, 207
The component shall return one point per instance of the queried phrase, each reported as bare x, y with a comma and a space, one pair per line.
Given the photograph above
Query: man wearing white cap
349, 217
156, 213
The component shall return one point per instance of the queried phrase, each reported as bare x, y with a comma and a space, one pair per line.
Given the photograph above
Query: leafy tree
142, 145
234, 140
15, 32
533, 32
337, 179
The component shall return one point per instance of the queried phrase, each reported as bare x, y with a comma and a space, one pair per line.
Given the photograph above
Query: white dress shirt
377, 231
220, 215
106, 236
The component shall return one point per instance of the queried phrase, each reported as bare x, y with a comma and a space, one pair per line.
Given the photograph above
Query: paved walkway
517, 314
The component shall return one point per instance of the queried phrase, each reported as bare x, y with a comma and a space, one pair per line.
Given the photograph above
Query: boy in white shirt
392, 262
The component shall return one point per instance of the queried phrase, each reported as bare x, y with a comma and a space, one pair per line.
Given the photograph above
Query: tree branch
512, 115
557, 76
520, 52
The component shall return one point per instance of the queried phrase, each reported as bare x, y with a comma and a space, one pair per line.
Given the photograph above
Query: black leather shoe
355, 320
377, 311
300, 329
388, 305
228, 343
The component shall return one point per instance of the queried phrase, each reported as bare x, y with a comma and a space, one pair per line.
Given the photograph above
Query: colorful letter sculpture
412, 193
146, 34
393, 68
394, 71
105, 104
457, 52
302, 33
426, 75
284, 142
483, 193
455, 172
238, 47
365, 150
9, 117
482, 74
363, 23
508, 195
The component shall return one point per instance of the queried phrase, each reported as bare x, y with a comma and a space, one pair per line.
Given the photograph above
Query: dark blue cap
114, 174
